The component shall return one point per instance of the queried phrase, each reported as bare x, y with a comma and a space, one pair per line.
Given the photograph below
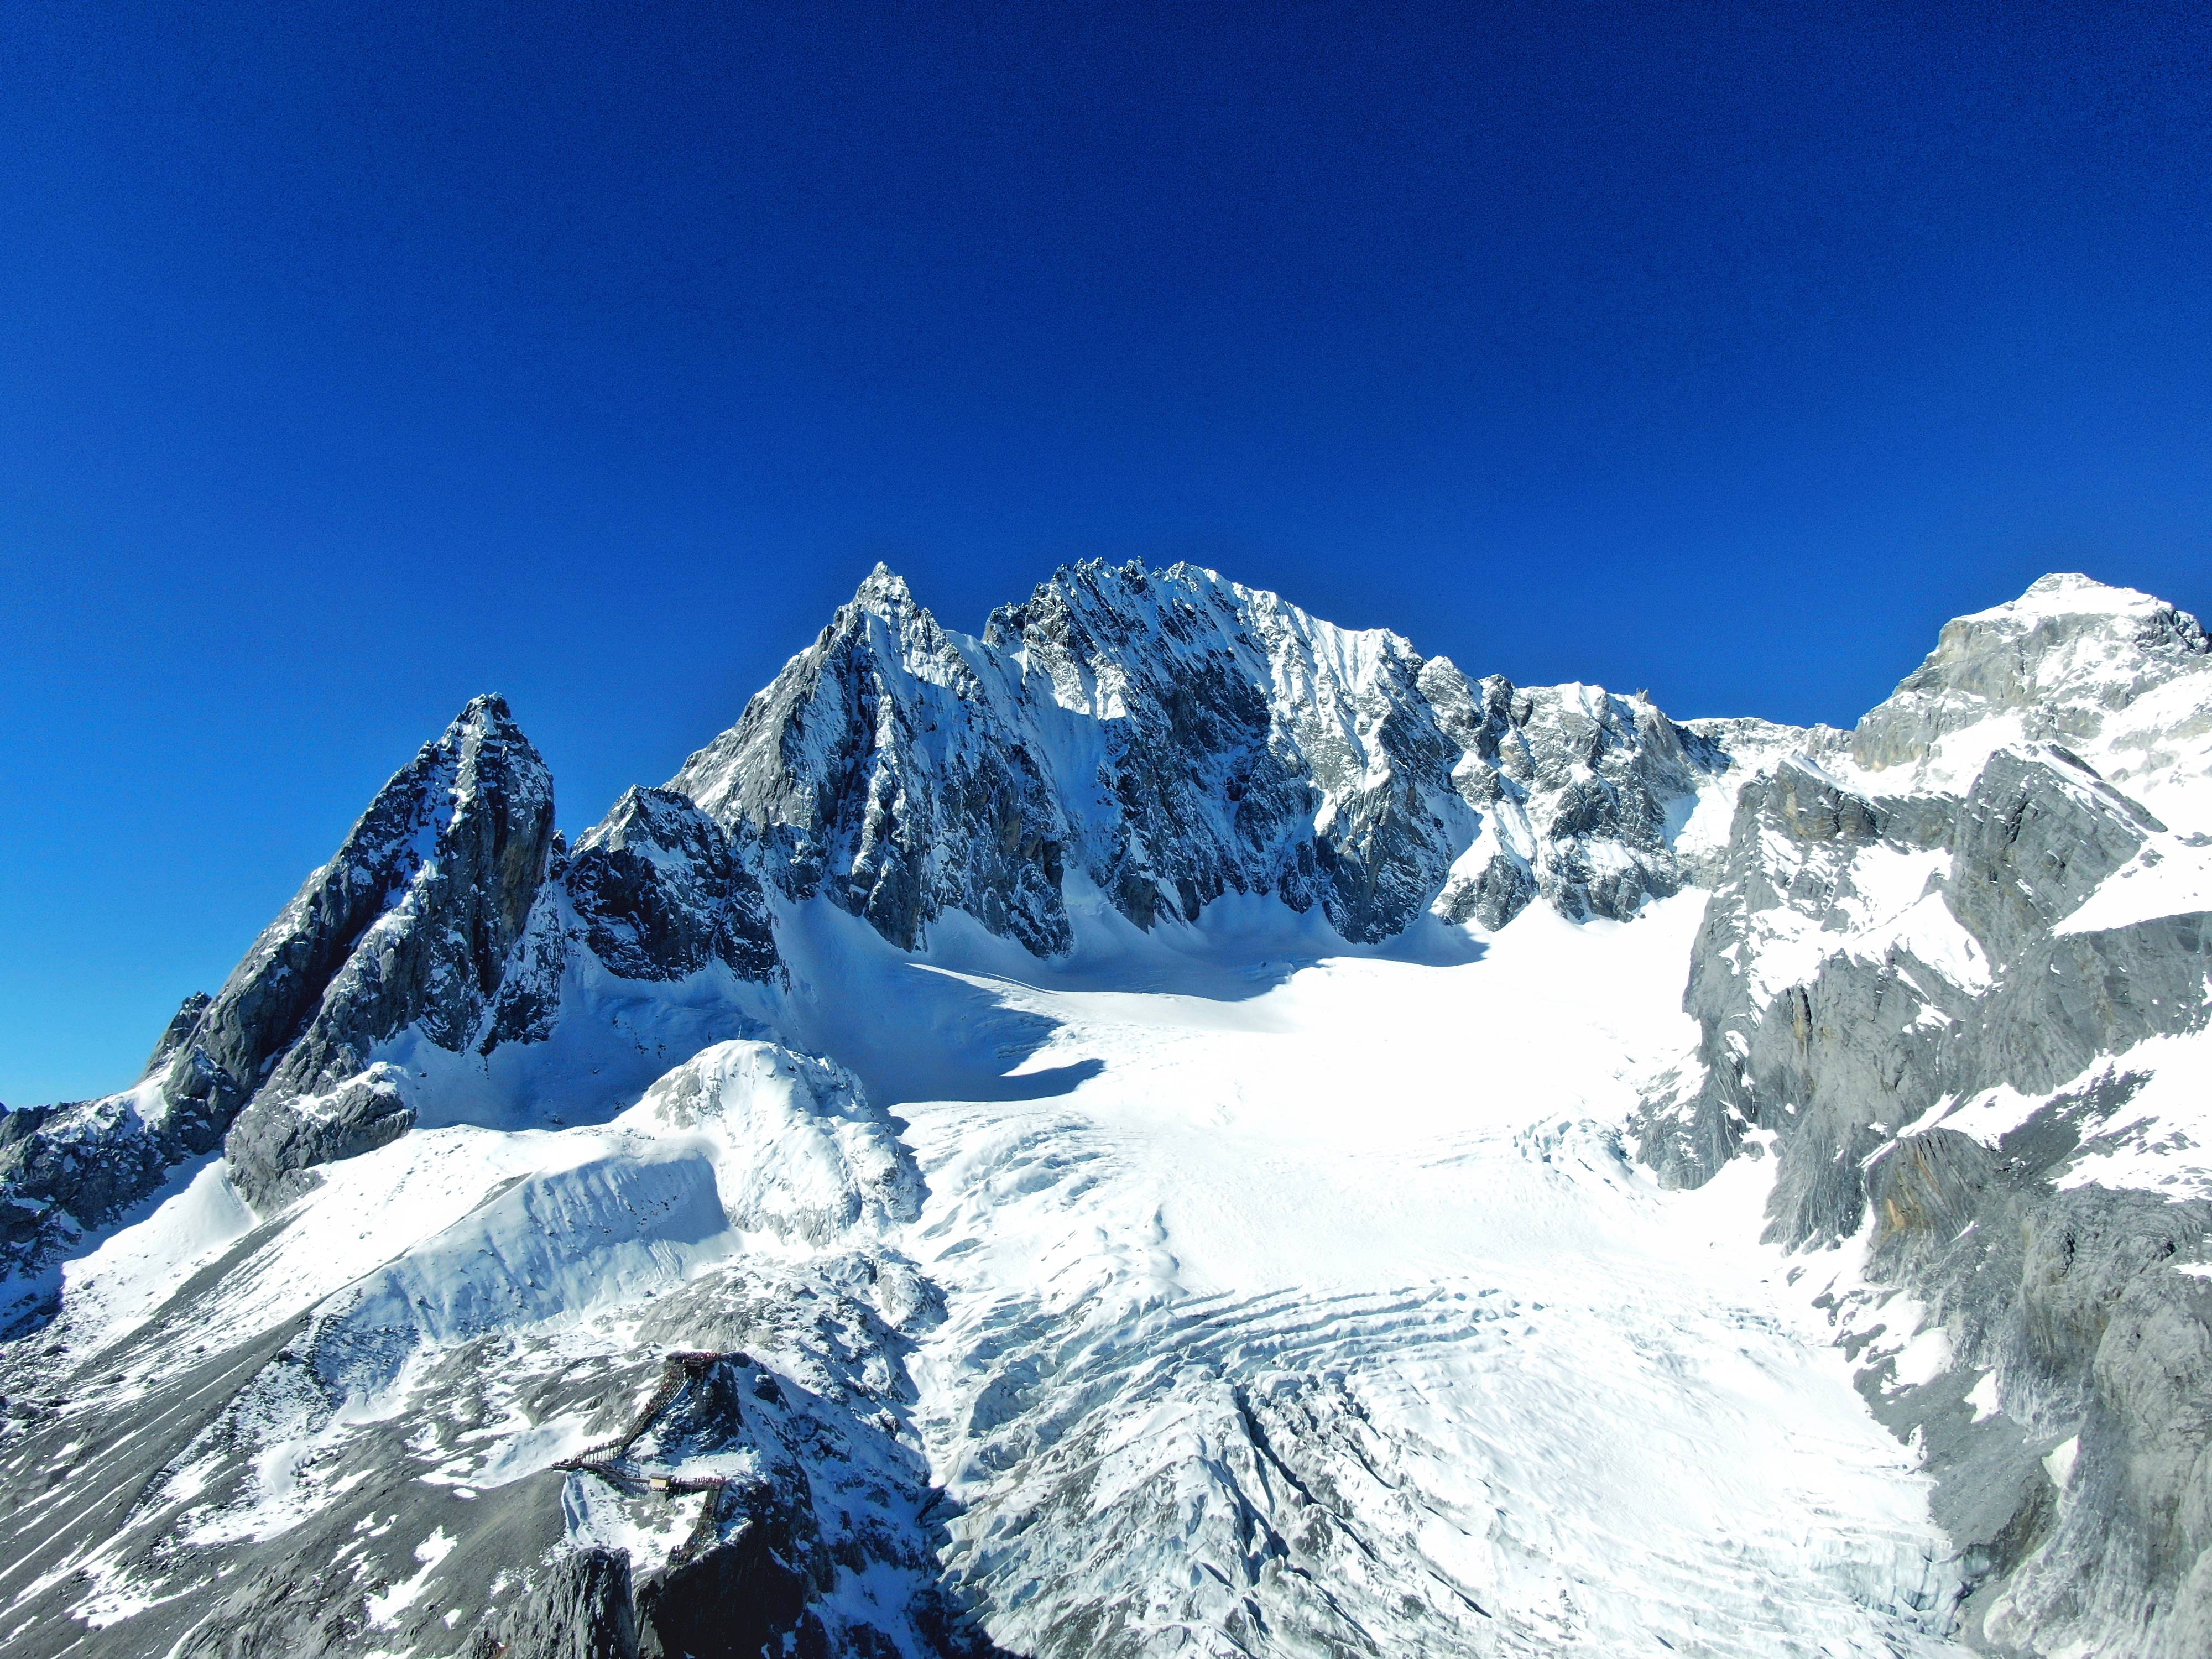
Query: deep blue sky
359, 359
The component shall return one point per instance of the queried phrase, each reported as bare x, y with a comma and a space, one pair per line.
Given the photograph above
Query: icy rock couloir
1174, 1127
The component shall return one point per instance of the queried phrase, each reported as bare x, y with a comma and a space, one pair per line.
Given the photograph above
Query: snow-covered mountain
1168, 738
1174, 1127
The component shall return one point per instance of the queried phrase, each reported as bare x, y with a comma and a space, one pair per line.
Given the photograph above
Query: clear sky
357, 359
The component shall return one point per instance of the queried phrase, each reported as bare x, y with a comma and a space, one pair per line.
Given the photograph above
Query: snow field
1328, 1273
1295, 1298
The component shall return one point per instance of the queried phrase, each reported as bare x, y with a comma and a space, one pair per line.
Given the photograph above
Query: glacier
1169, 1126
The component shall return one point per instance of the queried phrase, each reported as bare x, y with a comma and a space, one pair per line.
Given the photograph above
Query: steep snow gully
1174, 1128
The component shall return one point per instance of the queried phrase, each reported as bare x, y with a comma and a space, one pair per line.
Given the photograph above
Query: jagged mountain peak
486, 711
2055, 613
1177, 738
2071, 594
884, 593
640, 813
2120, 676
1135, 603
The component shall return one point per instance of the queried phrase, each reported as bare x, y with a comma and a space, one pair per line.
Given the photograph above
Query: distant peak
2070, 593
485, 716
2068, 581
486, 733
883, 590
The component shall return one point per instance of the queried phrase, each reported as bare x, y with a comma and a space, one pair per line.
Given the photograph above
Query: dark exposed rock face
654, 895
410, 922
88, 1158
1217, 781
734, 1600
1175, 738
464, 835
180, 1030
581, 1610
660, 893
882, 768
1578, 785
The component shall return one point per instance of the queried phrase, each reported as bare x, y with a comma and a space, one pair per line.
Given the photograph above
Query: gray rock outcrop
1870, 966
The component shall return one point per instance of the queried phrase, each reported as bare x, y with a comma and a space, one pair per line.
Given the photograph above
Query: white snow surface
450, 1232
2171, 876
1181, 1188
1236, 1228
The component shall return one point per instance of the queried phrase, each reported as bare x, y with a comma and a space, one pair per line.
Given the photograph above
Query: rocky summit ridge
1167, 738
566, 1177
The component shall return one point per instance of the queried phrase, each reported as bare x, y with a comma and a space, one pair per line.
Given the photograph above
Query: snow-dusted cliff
1168, 738
1172, 1128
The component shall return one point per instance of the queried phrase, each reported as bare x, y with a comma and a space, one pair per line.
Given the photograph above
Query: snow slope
1288, 1297
1313, 1306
